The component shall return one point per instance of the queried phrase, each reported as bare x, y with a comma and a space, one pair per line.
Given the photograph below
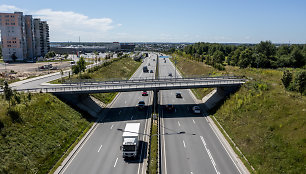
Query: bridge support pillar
155, 101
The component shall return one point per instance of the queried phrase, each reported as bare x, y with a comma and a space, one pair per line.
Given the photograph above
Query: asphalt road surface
101, 152
188, 143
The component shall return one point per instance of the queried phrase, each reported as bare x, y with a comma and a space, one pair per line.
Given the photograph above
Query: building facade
20, 40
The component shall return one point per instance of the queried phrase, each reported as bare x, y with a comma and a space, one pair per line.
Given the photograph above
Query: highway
101, 152
195, 151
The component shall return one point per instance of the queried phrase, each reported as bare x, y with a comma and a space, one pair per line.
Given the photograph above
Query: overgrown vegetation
35, 131
298, 83
265, 121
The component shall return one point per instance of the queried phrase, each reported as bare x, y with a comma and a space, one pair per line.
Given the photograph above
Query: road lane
109, 159
203, 152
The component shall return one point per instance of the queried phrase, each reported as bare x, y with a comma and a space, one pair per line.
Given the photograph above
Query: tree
297, 57
245, 58
8, 93
235, 56
218, 57
266, 48
287, 78
50, 54
260, 60
300, 81
80, 66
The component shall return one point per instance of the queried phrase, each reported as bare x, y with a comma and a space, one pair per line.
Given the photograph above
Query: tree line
262, 55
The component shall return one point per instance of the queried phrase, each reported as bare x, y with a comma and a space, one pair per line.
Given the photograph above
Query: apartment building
23, 38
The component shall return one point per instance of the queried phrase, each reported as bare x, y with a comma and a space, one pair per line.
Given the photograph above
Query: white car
196, 110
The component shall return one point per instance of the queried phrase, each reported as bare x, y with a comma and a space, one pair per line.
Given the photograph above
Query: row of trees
262, 55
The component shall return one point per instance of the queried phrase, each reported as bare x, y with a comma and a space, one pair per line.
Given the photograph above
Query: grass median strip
153, 148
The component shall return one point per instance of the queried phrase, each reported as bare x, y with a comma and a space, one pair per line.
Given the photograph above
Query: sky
221, 21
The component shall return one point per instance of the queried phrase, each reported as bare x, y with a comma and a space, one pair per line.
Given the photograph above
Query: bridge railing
151, 79
136, 86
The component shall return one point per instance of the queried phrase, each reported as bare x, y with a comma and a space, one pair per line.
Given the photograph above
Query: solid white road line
144, 139
79, 149
209, 154
100, 148
115, 162
184, 143
164, 154
178, 123
112, 127
193, 121
223, 146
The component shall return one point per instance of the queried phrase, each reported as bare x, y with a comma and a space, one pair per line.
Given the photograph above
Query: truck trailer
130, 140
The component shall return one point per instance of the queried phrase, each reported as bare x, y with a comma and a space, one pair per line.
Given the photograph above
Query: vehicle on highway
151, 71
148, 64
170, 74
130, 140
169, 107
178, 95
153, 59
145, 69
144, 93
196, 110
141, 104
165, 61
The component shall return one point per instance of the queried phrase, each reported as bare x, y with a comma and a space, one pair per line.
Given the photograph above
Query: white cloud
68, 25
9, 9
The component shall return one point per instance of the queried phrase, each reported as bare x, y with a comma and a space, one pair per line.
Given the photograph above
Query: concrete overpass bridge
91, 86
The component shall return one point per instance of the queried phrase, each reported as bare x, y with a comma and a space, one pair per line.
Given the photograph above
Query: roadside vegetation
266, 116
35, 131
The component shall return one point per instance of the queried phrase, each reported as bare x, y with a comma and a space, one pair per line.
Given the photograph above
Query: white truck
130, 140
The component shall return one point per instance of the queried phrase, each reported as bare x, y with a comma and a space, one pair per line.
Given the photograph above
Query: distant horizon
170, 21
178, 42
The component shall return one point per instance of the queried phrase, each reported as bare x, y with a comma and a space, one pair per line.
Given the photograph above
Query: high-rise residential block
23, 39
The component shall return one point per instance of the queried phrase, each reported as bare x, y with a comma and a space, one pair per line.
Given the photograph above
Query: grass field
36, 133
265, 121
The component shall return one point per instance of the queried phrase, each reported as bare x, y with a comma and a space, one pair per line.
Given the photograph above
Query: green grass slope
35, 133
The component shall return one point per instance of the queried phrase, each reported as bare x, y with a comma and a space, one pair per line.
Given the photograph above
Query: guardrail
136, 86
165, 78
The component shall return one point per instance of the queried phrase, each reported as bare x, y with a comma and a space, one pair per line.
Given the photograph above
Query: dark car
178, 95
151, 71
141, 104
169, 107
144, 93
170, 74
196, 110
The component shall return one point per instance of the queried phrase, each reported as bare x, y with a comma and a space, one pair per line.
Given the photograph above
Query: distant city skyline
221, 21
